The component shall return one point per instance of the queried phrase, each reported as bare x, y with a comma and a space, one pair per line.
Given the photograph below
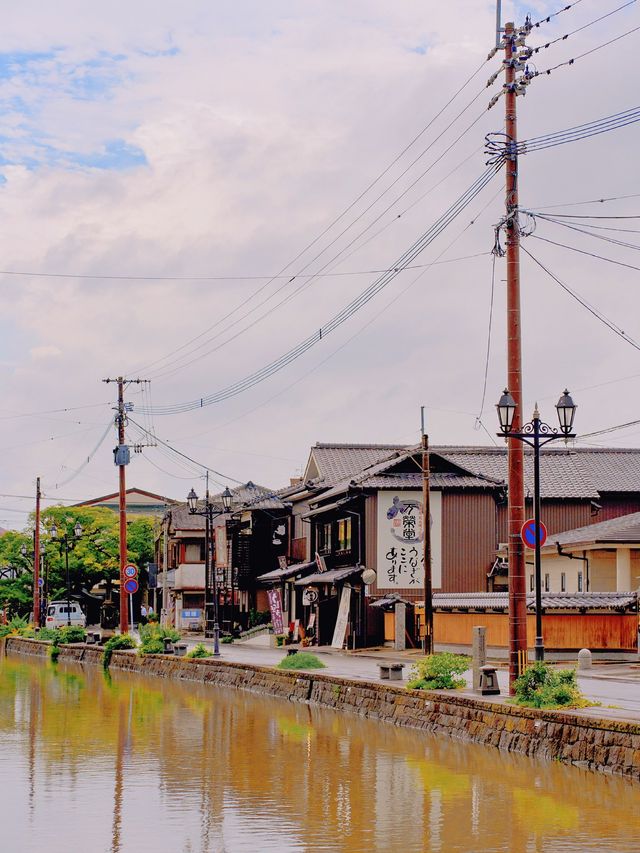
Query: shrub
47, 633
72, 634
200, 651
259, 617
120, 641
153, 636
301, 660
541, 686
226, 640
153, 618
438, 671
280, 639
13, 626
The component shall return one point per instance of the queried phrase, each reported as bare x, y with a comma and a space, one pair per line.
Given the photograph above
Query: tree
16, 593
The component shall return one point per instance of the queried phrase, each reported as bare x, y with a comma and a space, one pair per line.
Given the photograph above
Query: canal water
126, 764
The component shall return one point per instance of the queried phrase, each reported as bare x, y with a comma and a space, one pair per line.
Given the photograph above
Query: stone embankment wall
605, 745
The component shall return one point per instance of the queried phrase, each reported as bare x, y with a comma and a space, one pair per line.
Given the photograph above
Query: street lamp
209, 511
66, 544
536, 434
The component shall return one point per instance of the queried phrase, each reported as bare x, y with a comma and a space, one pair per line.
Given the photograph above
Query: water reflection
127, 764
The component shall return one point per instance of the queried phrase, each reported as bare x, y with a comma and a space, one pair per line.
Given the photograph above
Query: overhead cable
617, 330
348, 311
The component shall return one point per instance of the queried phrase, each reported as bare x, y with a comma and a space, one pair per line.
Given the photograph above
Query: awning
278, 575
389, 601
330, 576
324, 508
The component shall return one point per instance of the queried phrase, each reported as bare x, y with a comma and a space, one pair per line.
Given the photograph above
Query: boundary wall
581, 738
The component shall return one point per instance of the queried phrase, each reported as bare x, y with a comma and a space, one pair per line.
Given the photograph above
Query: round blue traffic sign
528, 533
130, 571
131, 586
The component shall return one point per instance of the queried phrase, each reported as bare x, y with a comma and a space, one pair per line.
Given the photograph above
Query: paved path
617, 686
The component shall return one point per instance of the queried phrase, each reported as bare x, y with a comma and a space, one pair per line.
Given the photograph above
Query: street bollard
479, 652
584, 659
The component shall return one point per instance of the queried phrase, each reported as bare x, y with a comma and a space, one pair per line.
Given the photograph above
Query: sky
161, 162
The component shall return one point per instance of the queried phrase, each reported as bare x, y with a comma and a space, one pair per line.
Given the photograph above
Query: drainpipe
584, 559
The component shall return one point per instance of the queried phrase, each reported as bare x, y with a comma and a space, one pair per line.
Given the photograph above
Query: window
563, 582
532, 584
344, 535
579, 581
324, 538
194, 552
546, 583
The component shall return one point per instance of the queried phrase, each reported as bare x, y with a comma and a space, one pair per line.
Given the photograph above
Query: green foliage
259, 617
152, 637
153, 618
280, 639
13, 626
301, 660
226, 640
54, 651
542, 686
199, 651
47, 633
120, 641
72, 634
438, 672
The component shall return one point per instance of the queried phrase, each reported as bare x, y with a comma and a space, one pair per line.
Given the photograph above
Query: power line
582, 131
582, 55
342, 316
583, 27
486, 363
350, 206
585, 252
590, 308
574, 227
170, 369
588, 201
555, 14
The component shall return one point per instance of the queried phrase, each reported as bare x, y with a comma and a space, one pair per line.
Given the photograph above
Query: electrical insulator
493, 79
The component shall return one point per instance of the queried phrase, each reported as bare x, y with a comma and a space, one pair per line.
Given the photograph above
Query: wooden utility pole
122, 510
517, 569
36, 560
426, 543
121, 459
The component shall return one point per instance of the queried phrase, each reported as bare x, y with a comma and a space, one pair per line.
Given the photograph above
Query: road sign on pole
131, 586
131, 571
528, 533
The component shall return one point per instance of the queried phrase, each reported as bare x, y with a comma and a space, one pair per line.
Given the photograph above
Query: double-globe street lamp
536, 434
210, 511
66, 543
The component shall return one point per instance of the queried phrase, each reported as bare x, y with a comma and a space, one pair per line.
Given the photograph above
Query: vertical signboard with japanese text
400, 540
275, 606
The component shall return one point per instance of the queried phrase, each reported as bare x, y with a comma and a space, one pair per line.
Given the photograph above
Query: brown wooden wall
561, 630
615, 505
468, 540
557, 516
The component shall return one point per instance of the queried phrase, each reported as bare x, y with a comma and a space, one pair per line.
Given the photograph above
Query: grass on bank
301, 660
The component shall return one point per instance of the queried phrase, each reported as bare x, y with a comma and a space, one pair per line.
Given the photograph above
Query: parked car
59, 614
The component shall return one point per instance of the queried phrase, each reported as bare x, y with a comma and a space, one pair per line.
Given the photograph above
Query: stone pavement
616, 686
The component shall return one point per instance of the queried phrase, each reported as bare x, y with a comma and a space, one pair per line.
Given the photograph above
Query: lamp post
536, 434
209, 511
66, 544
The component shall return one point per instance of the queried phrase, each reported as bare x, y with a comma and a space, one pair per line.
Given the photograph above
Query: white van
59, 614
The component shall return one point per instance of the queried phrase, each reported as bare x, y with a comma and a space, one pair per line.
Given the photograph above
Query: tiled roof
565, 472
550, 601
336, 462
245, 497
625, 528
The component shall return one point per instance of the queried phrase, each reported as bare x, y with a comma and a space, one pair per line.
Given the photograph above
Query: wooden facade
562, 631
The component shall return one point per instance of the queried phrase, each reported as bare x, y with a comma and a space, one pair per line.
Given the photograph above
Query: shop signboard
400, 540
275, 606
342, 621
221, 546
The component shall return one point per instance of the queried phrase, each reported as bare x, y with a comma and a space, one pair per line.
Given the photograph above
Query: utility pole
121, 458
516, 515
36, 560
426, 542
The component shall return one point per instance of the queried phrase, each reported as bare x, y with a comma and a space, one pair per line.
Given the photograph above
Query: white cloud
259, 124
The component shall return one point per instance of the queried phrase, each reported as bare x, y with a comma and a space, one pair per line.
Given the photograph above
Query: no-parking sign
528, 533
